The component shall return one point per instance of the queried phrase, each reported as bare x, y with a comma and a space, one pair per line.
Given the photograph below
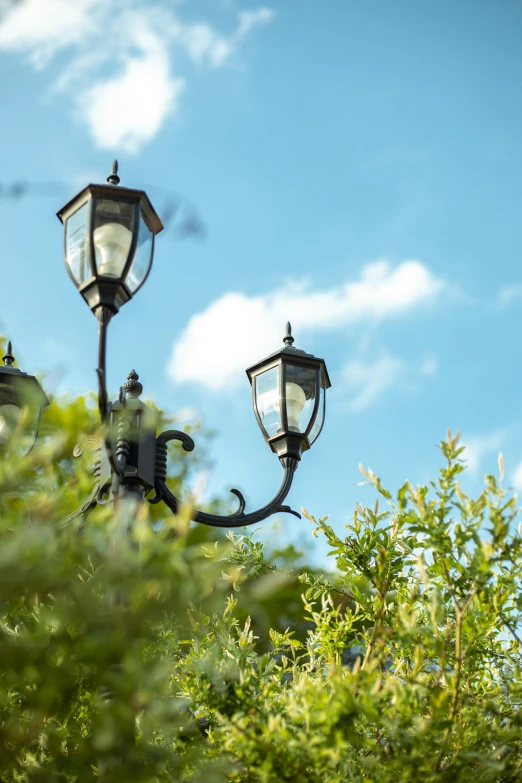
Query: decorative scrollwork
161, 457
242, 502
238, 518
185, 439
117, 452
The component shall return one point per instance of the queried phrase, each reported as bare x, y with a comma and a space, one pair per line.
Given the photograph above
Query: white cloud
236, 330
116, 118
516, 477
204, 45
363, 383
429, 366
134, 41
248, 20
478, 447
508, 293
366, 383
42, 27
186, 414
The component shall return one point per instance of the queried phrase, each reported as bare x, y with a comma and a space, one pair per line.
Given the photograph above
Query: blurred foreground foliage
127, 653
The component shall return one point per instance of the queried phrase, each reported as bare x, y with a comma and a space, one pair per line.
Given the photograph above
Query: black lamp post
109, 244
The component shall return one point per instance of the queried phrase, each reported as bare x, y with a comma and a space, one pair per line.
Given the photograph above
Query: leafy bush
122, 656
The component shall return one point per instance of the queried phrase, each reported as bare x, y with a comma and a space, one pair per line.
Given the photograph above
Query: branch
510, 628
376, 627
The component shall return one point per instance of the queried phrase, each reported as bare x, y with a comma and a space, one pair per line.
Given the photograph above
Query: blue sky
358, 168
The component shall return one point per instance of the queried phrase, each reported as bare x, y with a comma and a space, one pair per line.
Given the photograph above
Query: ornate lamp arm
238, 518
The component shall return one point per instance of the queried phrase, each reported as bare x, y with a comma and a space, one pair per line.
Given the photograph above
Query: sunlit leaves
130, 654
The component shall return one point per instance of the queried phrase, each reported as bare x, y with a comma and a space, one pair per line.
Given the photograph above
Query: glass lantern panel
300, 385
76, 245
319, 420
10, 412
112, 235
268, 403
142, 258
9, 419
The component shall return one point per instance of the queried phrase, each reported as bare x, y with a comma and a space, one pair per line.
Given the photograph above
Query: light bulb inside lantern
112, 243
9, 418
295, 402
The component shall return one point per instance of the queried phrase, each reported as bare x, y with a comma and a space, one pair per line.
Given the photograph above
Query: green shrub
122, 656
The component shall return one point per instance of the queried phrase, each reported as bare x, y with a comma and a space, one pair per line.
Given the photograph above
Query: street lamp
109, 242
18, 390
108, 249
108, 246
288, 389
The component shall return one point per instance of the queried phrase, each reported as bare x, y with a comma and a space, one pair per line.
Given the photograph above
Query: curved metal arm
238, 518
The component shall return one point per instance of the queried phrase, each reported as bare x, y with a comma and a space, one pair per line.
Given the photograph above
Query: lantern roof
289, 352
112, 190
27, 386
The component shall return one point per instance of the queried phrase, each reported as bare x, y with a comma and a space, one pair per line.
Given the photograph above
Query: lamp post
109, 236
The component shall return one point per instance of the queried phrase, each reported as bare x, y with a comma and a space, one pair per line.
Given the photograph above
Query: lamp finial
113, 178
132, 385
288, 339
8, 357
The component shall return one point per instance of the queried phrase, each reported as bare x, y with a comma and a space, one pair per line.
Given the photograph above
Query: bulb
9, 418
295, 402
112, 243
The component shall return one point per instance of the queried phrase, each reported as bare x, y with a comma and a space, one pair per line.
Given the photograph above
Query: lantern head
18, 390
288, 390
109, 241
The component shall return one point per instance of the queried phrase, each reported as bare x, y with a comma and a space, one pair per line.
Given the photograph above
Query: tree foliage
127, 652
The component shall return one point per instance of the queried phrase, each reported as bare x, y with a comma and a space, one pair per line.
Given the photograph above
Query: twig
376, 626
510, 628
460, 611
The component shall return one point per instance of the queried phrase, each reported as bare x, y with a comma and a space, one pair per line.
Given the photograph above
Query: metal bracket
238, 518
